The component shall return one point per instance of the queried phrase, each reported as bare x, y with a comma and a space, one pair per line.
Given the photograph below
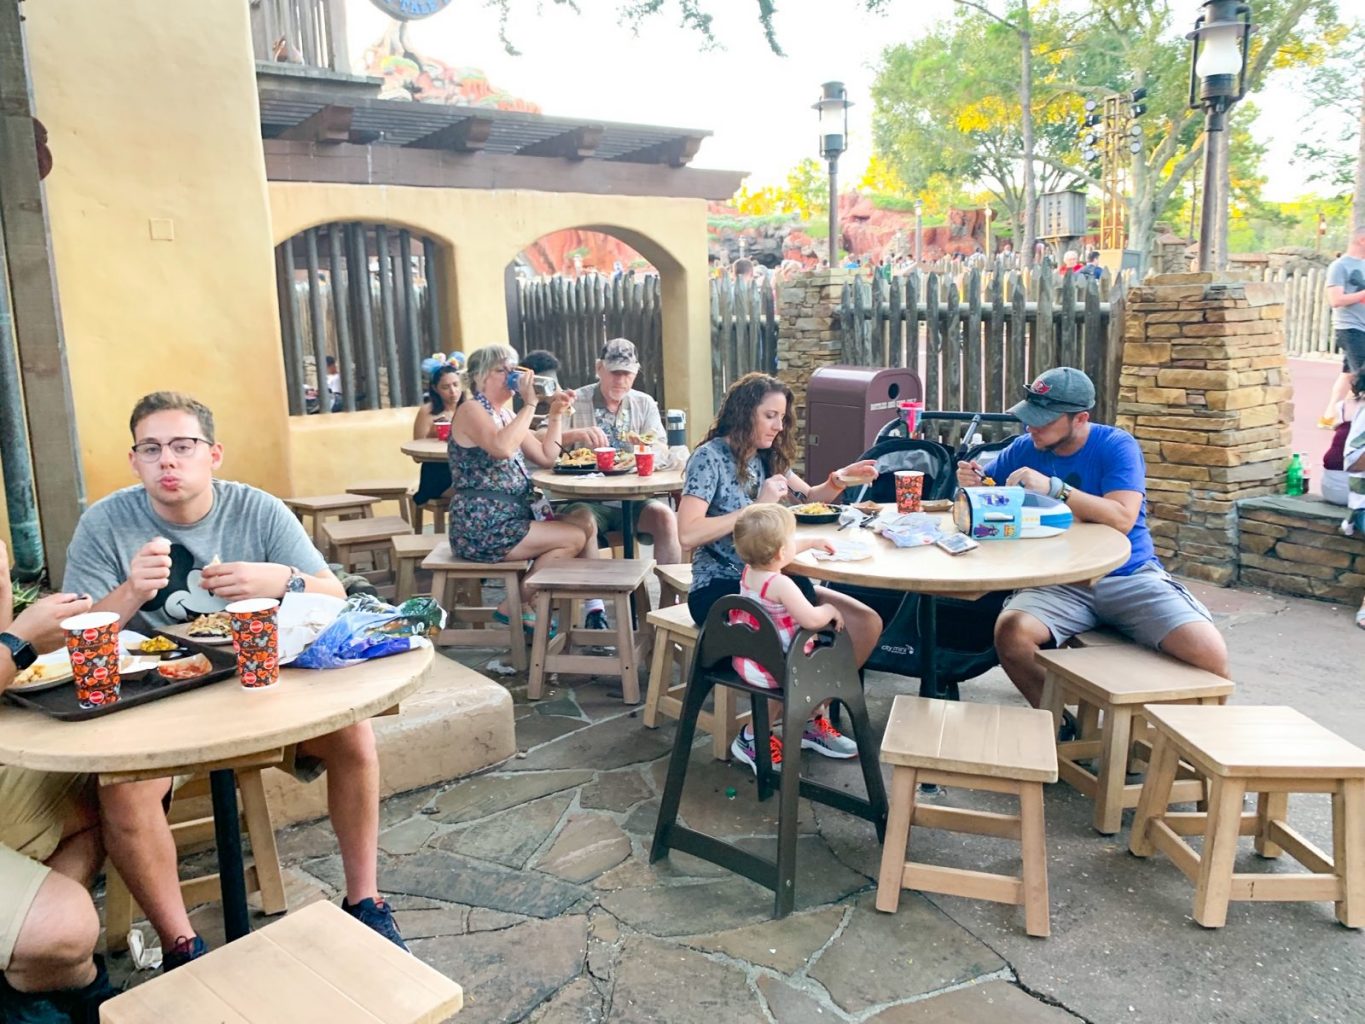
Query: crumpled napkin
912, 530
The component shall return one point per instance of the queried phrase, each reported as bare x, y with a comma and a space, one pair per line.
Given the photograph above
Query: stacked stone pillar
809, 338
1205, 390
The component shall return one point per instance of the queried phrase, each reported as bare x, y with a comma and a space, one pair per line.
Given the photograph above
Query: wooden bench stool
192, 828
317, 964
438, 507
375, 535
330, 506
618, 582
468, 623
1103, 636
674, 583
1272, 752
407, 552
1114, 683
399, 491
969, 746
675, 640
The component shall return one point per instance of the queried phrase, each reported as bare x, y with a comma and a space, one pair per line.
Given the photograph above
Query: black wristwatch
20, 650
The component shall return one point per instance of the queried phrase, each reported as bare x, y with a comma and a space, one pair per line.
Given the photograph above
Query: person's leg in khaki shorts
48, 962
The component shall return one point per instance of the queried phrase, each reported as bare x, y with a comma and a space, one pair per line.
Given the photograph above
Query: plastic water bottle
1293, 477
675, 422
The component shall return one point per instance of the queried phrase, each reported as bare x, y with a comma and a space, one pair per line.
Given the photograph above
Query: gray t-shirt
244, 525
712, 476
1347, 318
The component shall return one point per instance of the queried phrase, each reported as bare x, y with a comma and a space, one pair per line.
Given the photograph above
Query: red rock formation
555, 253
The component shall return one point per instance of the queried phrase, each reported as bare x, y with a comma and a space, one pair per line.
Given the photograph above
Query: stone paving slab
578, 1002
616, 790
588, 845
791, 1005
784, 946
658, 982
701, 907
613, 743
510, 837
487, 794
991, 1002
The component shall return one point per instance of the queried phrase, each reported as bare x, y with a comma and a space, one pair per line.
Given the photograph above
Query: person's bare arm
474, 426
1118, 509
544, 448
424, 425
696, 528
1338, 296
807, 615
237, 581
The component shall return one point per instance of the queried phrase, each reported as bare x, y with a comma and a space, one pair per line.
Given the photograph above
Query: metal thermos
676, 423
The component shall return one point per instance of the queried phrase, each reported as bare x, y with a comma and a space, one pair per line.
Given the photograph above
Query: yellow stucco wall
163, 228
482, 232
151, 112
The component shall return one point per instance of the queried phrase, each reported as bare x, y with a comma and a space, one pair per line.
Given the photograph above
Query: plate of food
583, 462
50, 669
211, 629
816, 513
156, 647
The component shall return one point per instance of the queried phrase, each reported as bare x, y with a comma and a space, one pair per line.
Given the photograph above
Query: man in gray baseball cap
1100, 473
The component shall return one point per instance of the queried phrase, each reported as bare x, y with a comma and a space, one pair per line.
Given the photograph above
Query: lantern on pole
832, 108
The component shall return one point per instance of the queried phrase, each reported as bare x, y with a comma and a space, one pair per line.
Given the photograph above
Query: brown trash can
845, 407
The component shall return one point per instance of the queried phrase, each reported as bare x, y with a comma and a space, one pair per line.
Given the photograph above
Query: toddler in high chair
765, 538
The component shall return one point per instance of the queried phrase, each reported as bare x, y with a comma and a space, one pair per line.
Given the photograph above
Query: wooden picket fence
744, 330
575, 317
975, 339
1307, 316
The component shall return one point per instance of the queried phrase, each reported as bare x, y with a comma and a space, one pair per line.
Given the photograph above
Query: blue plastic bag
369, 628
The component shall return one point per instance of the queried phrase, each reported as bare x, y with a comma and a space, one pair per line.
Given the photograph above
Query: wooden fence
1307, 316
575, 317
379, 324
744, 330
977, 338
310, 32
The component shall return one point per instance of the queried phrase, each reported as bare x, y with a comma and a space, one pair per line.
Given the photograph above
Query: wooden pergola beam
400, 165
465, 136
331, 124
577, 143
674, 152
48, 405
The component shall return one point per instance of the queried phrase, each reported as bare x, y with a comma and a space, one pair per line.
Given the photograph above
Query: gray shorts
1145, 605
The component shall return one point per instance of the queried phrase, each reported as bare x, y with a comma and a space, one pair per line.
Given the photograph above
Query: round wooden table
1081, 554
428, 449
211, 728
628, 488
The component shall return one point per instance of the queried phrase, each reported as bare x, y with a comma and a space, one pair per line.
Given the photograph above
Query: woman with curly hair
746, 458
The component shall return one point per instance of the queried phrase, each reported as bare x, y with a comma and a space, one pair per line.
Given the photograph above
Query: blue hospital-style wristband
1054, 487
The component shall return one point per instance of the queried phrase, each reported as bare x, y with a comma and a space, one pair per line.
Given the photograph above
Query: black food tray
139, 688
589, 470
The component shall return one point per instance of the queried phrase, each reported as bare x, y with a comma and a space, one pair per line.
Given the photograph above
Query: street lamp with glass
1219, 46
919, 229
833, 110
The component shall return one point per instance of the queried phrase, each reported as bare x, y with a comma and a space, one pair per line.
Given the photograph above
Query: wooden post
48, 404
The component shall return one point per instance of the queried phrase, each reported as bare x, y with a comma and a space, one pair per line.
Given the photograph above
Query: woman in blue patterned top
746, 458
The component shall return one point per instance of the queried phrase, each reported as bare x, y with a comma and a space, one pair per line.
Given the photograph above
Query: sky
758, 105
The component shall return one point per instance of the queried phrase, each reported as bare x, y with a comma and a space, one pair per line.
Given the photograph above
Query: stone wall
1295, 546
809, 338
1204, 389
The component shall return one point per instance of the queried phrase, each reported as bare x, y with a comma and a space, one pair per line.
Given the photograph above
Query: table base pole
228, 835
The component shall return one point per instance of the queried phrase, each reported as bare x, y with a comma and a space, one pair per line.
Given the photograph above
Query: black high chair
827, 673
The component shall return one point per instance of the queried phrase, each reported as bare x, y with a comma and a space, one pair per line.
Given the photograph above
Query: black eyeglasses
181, 448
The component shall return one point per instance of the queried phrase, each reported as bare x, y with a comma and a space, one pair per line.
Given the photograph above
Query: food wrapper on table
910, 530
368, 628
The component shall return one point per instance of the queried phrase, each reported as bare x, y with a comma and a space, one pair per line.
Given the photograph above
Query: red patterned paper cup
92, 643
909, 490
256, 639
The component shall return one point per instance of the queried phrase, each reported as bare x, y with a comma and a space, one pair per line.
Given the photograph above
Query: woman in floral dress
491, 518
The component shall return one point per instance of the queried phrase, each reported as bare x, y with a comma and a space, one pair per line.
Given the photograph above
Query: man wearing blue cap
1100, 473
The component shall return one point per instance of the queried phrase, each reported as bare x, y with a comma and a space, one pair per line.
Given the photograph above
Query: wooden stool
437, 506
618, 581
1116, 682
408, 551
191, 831
472, 625
1101, 637
350, 537
1272, 752
330, 506
388, 490
318, 964
674, 583
971, 746
827, 673
675, 639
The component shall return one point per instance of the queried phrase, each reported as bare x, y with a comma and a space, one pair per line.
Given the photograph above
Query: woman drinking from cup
746, 458
433, 420
491, 510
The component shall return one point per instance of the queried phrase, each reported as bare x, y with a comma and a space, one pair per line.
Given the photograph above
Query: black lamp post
1219, 47
833, 110
919, 229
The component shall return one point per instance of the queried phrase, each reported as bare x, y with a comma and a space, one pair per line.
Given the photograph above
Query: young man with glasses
177, 545
1100, 473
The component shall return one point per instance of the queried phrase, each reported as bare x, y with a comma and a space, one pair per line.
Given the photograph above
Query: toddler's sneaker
746, 752
182, 952
823, 738
378, 916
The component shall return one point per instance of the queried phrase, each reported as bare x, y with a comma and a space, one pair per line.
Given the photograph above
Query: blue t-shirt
1110, 460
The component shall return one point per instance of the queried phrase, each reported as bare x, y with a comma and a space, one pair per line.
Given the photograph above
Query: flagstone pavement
530, 884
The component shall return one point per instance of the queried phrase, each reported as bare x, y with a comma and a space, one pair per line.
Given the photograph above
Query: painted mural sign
410, 10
